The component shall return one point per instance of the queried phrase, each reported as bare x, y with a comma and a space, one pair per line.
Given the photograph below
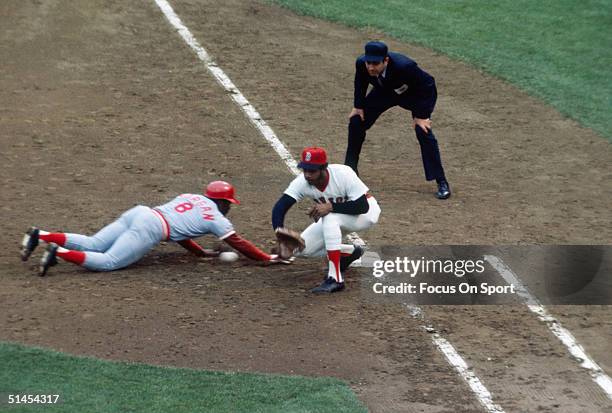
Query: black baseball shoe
328, 286
444, 191
29, 243
49, 259
345, 262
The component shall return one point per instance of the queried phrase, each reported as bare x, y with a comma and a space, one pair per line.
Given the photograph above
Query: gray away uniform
141, 228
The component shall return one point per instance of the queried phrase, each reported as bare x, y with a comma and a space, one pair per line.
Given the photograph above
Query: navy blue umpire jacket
404, 81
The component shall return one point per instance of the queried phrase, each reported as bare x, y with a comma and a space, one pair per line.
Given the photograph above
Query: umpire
396, 81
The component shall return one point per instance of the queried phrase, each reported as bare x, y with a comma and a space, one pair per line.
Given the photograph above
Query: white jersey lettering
343, 185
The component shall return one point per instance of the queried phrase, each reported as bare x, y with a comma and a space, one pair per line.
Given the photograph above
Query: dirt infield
102, 106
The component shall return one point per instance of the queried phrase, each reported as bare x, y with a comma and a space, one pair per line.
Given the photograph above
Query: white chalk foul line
229, 86
468, 375
563, 334
480, 391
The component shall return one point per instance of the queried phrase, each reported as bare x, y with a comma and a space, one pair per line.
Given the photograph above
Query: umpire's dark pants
376, 102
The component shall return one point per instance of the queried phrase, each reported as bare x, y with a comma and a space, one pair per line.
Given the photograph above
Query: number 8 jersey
191, 216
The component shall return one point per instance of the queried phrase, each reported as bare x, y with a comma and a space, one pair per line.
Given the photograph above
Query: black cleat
29, 243
328, 286
444, 191
345, 262
49, 259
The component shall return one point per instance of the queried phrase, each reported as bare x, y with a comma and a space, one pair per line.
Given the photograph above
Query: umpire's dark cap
375, 51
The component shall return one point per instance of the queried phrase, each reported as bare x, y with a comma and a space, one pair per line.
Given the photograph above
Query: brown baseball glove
289, 243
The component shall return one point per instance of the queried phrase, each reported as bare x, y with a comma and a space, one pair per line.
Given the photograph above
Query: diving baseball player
342, 204
141, 228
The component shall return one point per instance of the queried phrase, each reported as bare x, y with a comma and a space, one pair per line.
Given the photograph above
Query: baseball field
106, 104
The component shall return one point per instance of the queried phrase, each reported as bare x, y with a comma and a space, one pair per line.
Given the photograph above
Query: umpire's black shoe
29, 243
49, 259
444, 191
345, 262
328, 286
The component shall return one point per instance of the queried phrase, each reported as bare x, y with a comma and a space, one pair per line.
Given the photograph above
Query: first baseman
141, 228
396, 81
342, 204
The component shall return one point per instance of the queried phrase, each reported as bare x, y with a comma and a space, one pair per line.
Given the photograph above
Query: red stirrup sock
77, 257
58, 238
334, 265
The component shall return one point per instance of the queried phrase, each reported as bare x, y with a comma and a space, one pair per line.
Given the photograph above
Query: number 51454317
33, 398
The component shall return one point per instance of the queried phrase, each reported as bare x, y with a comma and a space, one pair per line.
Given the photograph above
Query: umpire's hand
356, 111
424, 124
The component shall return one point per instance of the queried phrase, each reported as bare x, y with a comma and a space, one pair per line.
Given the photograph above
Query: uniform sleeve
192, 246
424, 86
280, 210
296, 188
355, 188
247, 248
358, 207
222, 227
361, 85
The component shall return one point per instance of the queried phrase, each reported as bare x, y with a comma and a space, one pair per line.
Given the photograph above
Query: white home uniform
326, 234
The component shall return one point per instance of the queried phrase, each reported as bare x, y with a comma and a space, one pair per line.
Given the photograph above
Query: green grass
557, 50
91, 385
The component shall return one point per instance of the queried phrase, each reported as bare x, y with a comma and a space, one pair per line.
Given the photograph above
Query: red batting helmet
221, 190
313, 158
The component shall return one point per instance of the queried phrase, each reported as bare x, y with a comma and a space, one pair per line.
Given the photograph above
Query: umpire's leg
376, 103
430, 153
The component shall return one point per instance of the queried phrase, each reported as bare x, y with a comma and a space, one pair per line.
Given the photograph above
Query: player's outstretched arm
247, 248
196, 249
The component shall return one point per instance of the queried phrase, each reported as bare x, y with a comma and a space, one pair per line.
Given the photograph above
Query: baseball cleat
443, 190
328, 286
29, 243
345, 262
49, 259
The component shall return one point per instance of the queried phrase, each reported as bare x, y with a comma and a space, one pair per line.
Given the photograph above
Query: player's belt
165, 226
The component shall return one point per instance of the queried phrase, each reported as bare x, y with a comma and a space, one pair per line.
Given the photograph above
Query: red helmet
221, 190
313, 158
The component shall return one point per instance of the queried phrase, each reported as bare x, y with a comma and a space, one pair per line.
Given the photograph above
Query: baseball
228, 256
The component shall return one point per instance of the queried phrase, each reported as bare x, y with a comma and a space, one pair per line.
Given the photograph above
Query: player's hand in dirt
275, 259
207, 252
356, 111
